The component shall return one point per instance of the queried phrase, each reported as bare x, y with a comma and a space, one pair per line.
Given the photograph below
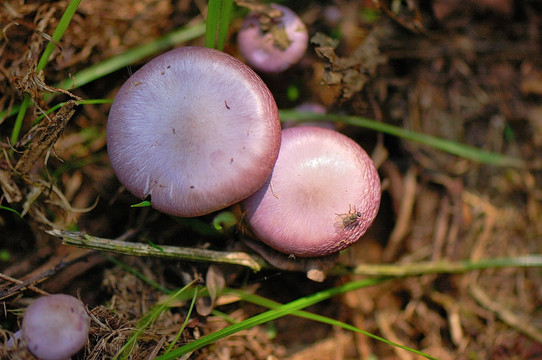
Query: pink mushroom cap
322, 196
195, 129
55, 327
260, 48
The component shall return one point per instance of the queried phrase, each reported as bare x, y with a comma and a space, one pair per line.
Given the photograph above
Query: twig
517, 321
171, 252
256, 262
439, 267
18, 282
29, 284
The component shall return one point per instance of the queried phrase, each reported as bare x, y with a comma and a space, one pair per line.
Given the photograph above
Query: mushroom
271, 41
195, 129
55, 327
322, 196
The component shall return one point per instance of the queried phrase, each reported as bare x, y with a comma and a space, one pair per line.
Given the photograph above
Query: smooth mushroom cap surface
55, 326
195, 129
322, 196
276, 50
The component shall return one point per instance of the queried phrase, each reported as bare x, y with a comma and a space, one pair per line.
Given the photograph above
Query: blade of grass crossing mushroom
452, 147
218, 18
57, 35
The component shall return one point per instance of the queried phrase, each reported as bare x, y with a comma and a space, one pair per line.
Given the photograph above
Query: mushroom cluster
196, 130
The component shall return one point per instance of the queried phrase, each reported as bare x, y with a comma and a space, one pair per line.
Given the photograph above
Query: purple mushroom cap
322, 196
263, 51
55, 327
195, 129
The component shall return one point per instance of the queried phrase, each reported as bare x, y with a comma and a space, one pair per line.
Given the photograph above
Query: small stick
28, 284
439, 267
257, 263
19, 282
164, 251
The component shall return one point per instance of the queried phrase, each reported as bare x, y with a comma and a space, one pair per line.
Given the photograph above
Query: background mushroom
55, 327
322, 196
195, 129
272, 39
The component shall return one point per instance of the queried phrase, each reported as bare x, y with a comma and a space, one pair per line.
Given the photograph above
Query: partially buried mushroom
55, 327
322, 196
195, 129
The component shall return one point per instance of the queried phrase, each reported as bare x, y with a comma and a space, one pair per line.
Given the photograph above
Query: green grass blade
185, 322
7, 208
452, 147
61, 104
59, 32
146, 321
138, 274
16, 131
57, 35
270, 315
144, 203
213, 15
225, 13
134, 55
120, 61
259, 300
218, 19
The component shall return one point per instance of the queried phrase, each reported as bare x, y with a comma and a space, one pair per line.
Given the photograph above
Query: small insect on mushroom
350, 218
336, 163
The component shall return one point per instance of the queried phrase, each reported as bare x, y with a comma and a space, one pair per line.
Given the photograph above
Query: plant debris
350, 72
